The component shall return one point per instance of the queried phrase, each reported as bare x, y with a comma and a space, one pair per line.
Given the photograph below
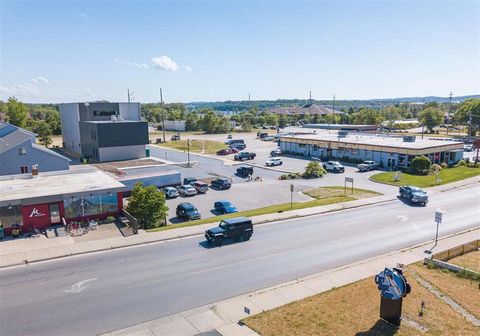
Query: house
311, 109
19, 152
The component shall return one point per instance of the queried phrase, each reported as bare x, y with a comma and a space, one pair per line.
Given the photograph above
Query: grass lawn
470, 260
354, 310
196, 146
446, 175
323, 196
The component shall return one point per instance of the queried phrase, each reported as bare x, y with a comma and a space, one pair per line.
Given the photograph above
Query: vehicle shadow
410, 204
207, 245
176, 220
380, 328
215, 212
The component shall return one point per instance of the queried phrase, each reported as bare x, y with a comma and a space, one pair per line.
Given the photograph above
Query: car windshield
226, 204
188, 207
224, 225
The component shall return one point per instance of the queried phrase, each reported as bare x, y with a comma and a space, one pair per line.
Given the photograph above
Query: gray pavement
98, 293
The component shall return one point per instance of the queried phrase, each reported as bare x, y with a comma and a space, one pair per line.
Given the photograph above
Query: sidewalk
222, 317
20, 252
25, 251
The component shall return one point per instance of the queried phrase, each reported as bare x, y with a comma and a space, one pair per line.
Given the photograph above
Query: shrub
420, 165
436, 167
284, 177
462, 163
444, 165
314, 170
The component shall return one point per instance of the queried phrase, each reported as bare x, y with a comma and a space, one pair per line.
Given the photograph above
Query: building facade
388, 152
104, 131
19, 153
58, 197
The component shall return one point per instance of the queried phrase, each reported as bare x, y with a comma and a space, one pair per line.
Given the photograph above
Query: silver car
187, 190
170, 192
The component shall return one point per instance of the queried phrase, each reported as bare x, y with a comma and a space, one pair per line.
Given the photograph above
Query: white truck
367, 166
334, 166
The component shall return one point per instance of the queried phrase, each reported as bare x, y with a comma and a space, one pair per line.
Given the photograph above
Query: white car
334, 166
274, 162
187, 190
170, 192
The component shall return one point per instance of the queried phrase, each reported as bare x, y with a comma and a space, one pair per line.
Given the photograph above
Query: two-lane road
97, 293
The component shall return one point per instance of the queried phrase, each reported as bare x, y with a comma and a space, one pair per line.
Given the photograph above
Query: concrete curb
106, 244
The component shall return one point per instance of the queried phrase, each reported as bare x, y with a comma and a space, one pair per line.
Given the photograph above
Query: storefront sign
36, 213
35, 216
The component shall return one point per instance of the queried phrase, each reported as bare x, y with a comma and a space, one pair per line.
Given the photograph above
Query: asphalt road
97, 293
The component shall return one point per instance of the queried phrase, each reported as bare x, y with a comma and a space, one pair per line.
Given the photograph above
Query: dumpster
147, 152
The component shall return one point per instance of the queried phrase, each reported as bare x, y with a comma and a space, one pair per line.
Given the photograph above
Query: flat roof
118, 121
372, 139
143, 175
59, 183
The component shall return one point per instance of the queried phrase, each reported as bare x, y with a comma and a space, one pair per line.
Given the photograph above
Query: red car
227, 151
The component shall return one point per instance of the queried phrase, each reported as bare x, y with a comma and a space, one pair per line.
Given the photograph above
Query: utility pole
249, 97
188, 153
161, 114
469, 123
310, 97
333, 109
449, 111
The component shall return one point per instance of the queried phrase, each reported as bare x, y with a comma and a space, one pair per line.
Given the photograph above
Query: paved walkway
24, 251
223, 316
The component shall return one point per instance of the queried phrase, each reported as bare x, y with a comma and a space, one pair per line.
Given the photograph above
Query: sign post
188, 153
476, 144
438, 220
350, 180
292, 189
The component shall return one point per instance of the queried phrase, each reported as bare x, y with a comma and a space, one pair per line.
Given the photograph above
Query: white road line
402, 218
79, 286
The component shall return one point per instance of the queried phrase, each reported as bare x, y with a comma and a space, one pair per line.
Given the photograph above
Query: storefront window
90, 205
10, 215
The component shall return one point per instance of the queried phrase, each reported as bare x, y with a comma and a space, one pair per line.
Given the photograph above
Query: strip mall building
38, 201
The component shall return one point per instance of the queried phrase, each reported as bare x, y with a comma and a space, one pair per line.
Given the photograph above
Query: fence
133, 221
457, 251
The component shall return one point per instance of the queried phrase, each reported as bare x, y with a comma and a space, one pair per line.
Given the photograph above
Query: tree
44, 133
272, 119
420, 165
469, 110
431, 117
16, 112
367, 117
148, 205
314, 170
192, 122
209, 122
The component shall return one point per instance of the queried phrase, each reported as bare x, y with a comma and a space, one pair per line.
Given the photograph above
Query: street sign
349, 179
292, 188
476, 143
438, 217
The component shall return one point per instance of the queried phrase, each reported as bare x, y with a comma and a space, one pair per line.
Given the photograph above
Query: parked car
189, 180
170, 192
273, 162
262, 135
238, 146
227, 151
221, 183
234, 141
239, 227
367, 166
334, 166
229, 136
268, 138
273, 127
413, 194
175, 137
468, 148
201, 187
187, 190
244, 156
224, 207
276, 152
244, 171
187, 211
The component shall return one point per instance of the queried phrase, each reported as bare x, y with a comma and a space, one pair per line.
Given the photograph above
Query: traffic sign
349, 179
438, 216
292, 188
476, 143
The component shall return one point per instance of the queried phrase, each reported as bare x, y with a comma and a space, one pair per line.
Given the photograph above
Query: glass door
54, 213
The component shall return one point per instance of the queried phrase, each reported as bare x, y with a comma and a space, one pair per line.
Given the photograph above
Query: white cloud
41, 79
134, 64
187, 68
82, 15
164, 63
33, 88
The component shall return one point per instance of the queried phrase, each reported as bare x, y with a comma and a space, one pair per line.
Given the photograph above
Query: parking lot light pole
292, 188
188, 153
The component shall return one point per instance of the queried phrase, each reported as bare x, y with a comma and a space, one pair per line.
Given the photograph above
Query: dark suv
221, 183
413, 194
187, 211
244, 171
239, 227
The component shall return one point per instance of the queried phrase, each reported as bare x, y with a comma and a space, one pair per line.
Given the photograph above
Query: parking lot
250, 195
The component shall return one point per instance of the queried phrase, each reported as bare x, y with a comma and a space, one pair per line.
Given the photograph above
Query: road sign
349, 179
292, 188
438, 216
476, 143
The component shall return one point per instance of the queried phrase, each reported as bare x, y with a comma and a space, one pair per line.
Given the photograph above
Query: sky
75, 51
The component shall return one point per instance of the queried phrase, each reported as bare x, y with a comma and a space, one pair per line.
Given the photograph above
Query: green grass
196, 146
446, 175
323, 196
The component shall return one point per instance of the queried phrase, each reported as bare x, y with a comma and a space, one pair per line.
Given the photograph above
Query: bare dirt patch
469, 260
335, 191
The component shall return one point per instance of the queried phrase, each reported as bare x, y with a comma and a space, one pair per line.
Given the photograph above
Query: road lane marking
79, 286
402, 218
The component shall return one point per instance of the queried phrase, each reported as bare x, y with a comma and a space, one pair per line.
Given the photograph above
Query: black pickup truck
244, 156
413, 194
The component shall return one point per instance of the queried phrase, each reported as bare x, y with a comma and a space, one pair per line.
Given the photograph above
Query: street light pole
188, 153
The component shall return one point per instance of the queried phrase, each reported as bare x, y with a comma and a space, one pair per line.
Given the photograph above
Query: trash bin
2, 234
147, 152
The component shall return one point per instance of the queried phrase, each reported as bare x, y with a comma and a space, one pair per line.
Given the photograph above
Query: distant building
19, 152
175, 125
344, 127
104, 131
312, 109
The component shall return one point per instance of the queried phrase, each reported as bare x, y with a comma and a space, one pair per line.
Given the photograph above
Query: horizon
210, 51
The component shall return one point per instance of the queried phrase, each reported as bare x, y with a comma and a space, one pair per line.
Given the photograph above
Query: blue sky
61, 51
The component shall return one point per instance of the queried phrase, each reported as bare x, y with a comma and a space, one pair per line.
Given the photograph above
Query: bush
436, 167
462, 163
314, 170
284, 177
444, 165
420, 165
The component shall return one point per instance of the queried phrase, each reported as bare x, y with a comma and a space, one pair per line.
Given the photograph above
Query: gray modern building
19, 153
104, 131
